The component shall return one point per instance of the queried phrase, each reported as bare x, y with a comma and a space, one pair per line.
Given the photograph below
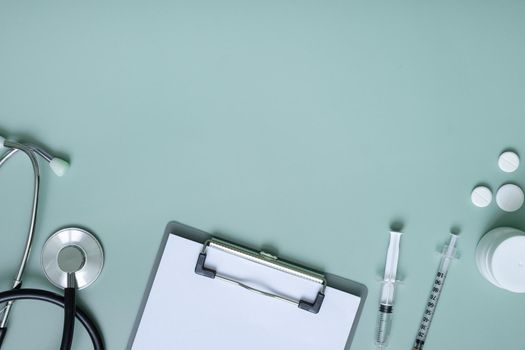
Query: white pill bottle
500, 257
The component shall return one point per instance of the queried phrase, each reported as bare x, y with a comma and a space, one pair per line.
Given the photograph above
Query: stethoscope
72, 258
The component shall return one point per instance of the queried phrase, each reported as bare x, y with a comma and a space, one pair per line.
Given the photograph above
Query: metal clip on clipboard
266, 260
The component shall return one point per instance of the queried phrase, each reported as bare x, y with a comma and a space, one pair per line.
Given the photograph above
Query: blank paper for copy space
187, 311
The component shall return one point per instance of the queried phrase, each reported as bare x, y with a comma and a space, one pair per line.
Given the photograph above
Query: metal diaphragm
58, 248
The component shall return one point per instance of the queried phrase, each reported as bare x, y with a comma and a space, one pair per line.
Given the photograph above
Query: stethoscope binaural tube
59, 167
32, 221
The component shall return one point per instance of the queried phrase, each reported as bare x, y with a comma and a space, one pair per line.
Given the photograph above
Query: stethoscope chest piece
72, 250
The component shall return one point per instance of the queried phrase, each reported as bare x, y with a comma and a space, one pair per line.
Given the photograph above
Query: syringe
430, 308
386, 301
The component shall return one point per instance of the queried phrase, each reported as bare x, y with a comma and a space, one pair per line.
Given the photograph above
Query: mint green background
307, 125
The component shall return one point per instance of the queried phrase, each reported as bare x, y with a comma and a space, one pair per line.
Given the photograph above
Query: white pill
509, 197
508, 161
481, 196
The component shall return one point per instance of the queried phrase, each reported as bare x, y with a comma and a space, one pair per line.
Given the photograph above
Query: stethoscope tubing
56, 299
68, 300
14, 147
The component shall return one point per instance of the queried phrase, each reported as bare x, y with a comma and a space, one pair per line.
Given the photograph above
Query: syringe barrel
387, 293
384, 323
449, 252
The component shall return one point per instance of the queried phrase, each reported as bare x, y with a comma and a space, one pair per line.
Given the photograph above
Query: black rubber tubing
53, 298
69, 319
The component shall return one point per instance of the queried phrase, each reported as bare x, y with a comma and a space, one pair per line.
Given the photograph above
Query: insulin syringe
430, 307
386, 300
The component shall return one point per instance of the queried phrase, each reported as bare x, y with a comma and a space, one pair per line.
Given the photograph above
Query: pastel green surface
307, 125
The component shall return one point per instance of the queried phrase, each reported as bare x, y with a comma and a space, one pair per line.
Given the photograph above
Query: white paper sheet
190, 312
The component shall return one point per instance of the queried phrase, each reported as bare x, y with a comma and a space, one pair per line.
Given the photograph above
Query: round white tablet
508, 161
481, 196
509, 197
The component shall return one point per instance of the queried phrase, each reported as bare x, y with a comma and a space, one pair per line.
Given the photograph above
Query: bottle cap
500, 257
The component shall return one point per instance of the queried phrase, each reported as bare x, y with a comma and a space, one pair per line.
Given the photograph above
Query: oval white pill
508, 161
509, 197
481, 196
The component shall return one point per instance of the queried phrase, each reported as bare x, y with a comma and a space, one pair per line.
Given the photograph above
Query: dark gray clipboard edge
197, 235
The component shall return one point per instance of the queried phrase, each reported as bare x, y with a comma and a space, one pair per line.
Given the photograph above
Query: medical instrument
448, 254
72, 259
386, 300
59, 167
72, 244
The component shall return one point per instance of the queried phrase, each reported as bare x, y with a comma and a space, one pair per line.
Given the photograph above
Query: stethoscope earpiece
59, 166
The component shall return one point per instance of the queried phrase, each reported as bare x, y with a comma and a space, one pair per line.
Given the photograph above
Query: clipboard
209, 293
